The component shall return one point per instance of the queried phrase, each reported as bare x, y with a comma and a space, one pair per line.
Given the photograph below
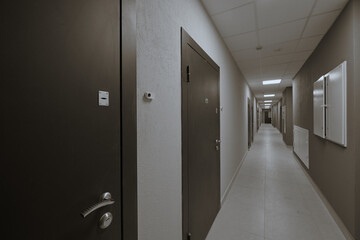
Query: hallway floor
272, 199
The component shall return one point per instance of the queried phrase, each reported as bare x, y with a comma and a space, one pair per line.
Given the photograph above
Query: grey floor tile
272, 199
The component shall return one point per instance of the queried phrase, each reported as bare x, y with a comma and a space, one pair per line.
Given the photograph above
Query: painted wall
357, 117
287, 102
331, 166
159, 121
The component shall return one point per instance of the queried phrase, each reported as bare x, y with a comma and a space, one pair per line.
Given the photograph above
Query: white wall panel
336, 105
301, 144
319, 108
330, 106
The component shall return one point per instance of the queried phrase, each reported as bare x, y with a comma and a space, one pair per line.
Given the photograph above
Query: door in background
252, 123
267, 117
200, 140
249, 123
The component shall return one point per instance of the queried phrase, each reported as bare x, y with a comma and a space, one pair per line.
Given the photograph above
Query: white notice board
329, 99
319, 107
336, 129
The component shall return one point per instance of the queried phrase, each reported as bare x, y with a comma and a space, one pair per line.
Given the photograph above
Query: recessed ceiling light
269, 82
268, 101
268, 104
269, 95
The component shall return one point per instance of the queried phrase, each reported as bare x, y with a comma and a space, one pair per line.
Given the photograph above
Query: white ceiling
287, 30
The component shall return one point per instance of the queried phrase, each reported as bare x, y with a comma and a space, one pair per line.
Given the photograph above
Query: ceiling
287, 31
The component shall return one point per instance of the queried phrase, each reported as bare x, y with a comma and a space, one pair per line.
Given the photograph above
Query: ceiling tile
282, 33
243, 41
236, 21
251, 71
279, 49
328, 5
293, 68
278, 69
289, 75
252, 63
309, 44
286, 58
274, 12
320, 24
248, 54
216, 6
281, 24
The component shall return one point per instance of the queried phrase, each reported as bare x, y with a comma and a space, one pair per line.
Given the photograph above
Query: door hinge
188, 74
189, 236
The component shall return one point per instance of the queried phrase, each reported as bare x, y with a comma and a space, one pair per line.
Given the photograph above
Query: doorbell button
149, 96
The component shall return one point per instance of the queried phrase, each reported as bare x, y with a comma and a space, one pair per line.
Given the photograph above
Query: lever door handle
218, 141
105, 200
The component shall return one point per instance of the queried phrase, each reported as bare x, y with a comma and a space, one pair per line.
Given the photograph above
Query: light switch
103, 98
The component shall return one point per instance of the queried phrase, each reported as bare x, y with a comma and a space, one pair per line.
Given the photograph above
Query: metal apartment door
252, 123
60, 149
249, 124
201, 141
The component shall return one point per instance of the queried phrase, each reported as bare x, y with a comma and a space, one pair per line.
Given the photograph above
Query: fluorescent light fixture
268, 101
269, 82
269, 95
268, 104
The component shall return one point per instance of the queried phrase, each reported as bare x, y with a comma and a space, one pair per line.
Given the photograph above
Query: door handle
218, 141
105, 200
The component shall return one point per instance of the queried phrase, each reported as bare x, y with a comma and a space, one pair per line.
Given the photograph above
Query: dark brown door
249, 124
201, 141
60, 150
267, 117
252, 123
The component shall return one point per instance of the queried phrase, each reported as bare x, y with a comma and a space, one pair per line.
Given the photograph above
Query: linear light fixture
269, 82
269, 95
268, 104
268, 101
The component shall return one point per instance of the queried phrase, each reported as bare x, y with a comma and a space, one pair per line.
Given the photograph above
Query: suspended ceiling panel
287, 31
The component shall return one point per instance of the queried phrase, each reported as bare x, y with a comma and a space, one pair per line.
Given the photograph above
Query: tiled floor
272, 199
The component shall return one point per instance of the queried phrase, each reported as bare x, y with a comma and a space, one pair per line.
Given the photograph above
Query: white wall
159, 122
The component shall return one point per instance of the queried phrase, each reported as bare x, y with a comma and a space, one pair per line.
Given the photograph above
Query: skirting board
226, 193
331, 210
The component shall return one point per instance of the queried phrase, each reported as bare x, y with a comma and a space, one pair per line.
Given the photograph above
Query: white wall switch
103, 98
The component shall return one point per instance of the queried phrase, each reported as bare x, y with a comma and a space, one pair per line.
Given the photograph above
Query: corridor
272, 199
139, 118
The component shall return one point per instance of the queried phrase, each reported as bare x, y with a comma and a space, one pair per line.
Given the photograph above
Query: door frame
187, 40
128, 120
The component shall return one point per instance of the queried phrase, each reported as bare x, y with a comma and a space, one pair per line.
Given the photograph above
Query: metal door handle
218, 141
105, 200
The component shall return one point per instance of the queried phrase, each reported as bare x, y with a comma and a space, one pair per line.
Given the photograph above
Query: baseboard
331, 210
226, 193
